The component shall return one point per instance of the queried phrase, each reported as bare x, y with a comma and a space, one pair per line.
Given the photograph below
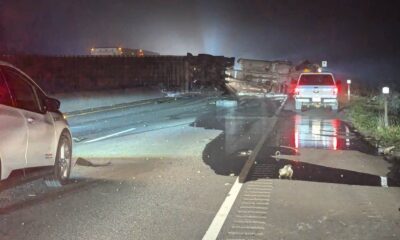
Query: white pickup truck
316, 89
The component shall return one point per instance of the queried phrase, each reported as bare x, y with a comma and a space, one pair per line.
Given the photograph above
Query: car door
13, 132
40, 124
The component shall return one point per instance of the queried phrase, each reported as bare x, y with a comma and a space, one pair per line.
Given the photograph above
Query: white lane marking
263, 198
246, 233
257, 192
253, 207
219, 219
256, 199
249, 222
222, 214
248, 227
248, 204
252, 212
384, 182
109, 136
107, 109
260, 188
257, 195
251, 217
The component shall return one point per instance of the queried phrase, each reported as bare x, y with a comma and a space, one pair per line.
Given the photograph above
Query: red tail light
296, 91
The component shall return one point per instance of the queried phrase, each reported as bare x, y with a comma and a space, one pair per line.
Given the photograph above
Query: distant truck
316, 89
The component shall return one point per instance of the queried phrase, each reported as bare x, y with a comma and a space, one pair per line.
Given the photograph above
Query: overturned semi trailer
261, 77
208, 71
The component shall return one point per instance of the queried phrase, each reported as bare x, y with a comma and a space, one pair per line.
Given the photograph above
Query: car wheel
62, 165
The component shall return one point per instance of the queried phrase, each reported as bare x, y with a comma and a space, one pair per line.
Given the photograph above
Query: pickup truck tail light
296, 91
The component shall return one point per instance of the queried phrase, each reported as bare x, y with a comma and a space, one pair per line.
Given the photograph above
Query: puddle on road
301, 131
317, 173
242, 128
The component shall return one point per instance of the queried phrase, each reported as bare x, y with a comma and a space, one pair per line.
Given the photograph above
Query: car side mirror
52, 104
338, 82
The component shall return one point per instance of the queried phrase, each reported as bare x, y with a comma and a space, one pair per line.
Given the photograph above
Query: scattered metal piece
296, 150
286, 172
84, 162
78, 139
226, 103
277, 156
388, 150
245, 153
52, 183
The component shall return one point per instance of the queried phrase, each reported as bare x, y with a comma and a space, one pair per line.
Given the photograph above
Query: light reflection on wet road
321, 132
308, 142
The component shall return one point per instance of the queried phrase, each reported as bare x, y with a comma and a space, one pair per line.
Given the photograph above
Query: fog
355, 37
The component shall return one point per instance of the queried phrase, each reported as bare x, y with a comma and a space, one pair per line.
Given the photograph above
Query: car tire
63, 162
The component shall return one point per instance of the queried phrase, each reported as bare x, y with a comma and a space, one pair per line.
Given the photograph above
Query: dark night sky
360, 39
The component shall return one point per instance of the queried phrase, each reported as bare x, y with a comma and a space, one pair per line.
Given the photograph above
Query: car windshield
316, 79
199, 119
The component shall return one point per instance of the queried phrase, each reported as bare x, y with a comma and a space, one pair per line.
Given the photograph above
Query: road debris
226, 103
84, 162
386, 150
78, 139
245, 153
286, 172
277, 156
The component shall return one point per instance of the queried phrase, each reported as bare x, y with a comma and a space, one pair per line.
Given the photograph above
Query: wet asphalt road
173, 170
169, 175
153, 115
340, 188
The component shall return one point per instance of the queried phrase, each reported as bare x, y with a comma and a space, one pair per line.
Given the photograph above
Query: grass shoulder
367, 115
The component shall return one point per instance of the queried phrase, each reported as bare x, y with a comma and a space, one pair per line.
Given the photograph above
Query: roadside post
348, 89
385, 91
